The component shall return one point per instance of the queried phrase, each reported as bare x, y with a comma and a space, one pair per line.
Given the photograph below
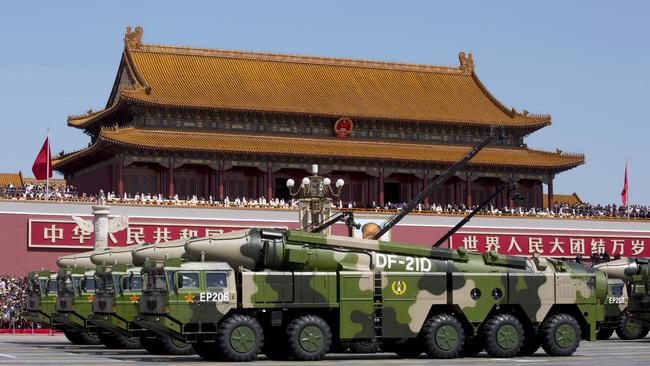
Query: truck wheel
165, 345
560, 335
308, 338
117, 341
151, 345
644, 332
207, 351
410, 349
531, 345
443, 336
77, 337
504, 336
604, 333
239, 338
472, 347
628, 328
364, 347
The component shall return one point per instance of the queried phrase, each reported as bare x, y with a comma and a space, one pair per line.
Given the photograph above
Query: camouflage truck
633, 321
160, 343
41, 297
76, 289
292, 294
118, 290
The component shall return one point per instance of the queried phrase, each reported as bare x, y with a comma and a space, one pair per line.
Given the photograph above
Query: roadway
55, 350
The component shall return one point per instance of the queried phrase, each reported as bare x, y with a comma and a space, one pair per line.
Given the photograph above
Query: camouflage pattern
368, 289
636, 273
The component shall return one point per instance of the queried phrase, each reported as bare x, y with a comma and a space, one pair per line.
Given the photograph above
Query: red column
170, 179
424, 185
220, 179
120, 176
550, 192
269, 182
380, 189
468, 190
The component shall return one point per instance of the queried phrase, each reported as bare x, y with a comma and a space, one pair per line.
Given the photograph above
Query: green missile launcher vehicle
634, 319
76, 289
41, 297
118, 290
295, 294
173, 252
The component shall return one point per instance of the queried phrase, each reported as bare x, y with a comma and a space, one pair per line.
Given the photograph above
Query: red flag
42, 167
624, 192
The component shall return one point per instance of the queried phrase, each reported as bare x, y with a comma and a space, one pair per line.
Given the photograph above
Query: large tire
81, 338
628, 328
239, 338
207, 351
560, 335
472, 347
117, 341
531, 345
442, 336
364, 347
308, 338
165, 346
604, 333
504, 336
644, 332
410, 349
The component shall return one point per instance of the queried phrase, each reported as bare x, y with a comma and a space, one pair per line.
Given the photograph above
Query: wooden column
170, 179
120, 176
220, 180
380, 189
550, 192
424, 185
269, 182
468, 190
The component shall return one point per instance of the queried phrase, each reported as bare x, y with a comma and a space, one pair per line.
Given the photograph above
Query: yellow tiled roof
571, 199
11, 178
248, 81
327, 147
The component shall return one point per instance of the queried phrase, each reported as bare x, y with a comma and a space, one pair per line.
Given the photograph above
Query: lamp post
314, 205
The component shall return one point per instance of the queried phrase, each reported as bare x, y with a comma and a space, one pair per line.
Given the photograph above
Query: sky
583, 62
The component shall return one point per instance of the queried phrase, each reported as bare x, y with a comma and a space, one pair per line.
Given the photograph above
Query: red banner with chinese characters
562, 245
67, 234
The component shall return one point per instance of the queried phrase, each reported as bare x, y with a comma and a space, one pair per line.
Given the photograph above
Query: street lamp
314, 205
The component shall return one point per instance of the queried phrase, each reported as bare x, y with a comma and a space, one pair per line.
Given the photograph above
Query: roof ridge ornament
466, 62
133, 39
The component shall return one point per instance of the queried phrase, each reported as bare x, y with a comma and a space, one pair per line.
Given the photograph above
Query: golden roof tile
324, 148
11, 178
253, 81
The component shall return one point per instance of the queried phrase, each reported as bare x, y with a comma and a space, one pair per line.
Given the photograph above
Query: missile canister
161, 252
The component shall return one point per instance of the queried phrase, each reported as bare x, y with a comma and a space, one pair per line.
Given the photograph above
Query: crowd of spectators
560, 209
12, 303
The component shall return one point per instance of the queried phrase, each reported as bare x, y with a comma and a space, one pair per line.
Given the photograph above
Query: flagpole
627, 208
47, 170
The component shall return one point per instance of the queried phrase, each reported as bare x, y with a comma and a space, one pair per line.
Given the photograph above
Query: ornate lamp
314, 205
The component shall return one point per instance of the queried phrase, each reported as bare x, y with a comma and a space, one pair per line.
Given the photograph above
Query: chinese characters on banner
66, 234
563, 245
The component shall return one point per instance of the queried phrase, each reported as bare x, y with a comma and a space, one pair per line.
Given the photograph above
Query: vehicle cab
41, 296
117, 297
75, 294
185, 300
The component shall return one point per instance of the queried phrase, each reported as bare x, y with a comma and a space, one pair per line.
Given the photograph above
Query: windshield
132, 282
104, 282
65, 284
42, 286
154, 280
89, 284
52, 286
